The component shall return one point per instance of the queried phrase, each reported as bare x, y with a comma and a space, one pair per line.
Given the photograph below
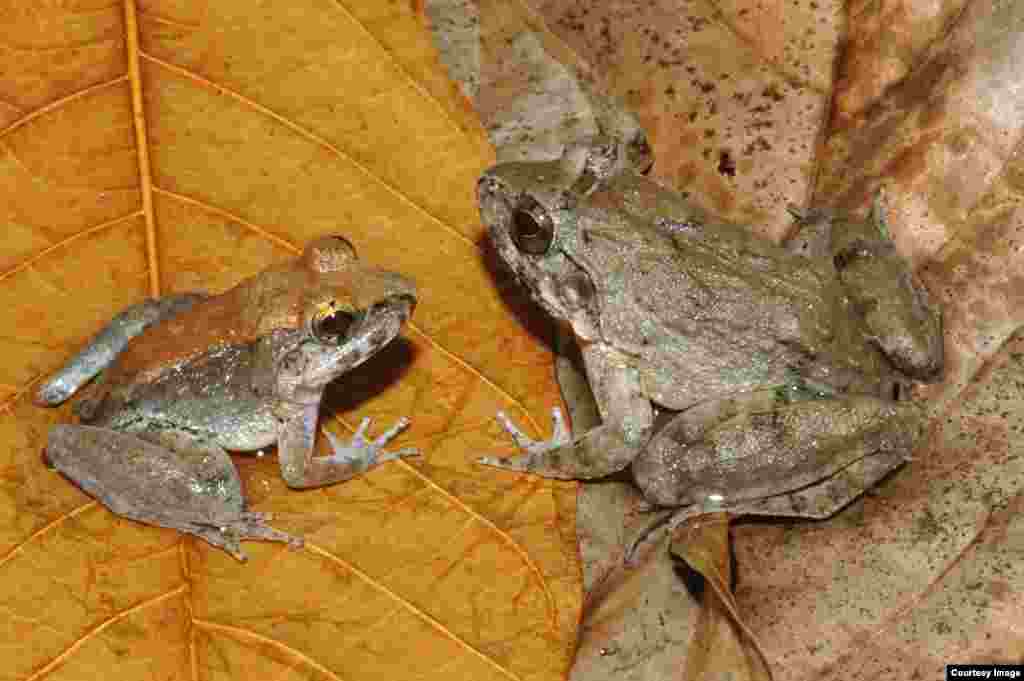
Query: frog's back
722, 311
236, 317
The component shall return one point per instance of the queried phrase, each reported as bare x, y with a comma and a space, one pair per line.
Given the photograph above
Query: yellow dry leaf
155, 147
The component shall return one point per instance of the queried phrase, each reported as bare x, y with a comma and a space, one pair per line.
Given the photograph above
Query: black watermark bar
965, 672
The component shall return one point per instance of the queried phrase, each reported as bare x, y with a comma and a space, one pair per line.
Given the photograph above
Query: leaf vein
45, 529
98, 629
411, 607
28, 262
415, 84
241, 632
312, 137
141, 143
57, 104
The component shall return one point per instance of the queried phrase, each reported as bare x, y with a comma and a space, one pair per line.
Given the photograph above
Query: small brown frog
730, 373
187, 376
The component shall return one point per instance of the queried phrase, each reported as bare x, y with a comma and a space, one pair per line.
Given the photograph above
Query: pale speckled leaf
733, 95
152, 147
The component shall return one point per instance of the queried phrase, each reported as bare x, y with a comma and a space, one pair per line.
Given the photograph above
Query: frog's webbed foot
540, 456
167, 478
364, 454
250, 525
533, 448
818, 501
599, 452
300, 469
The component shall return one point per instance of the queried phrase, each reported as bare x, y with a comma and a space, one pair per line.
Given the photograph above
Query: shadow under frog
188, 376
730, 373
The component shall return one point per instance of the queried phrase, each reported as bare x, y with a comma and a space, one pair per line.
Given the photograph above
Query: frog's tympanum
731, 373
187, 376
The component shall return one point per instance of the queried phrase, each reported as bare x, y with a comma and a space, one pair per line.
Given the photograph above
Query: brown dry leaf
926, 106
722, 639
155, 147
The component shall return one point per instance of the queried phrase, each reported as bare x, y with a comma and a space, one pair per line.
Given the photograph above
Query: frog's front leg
167, 478
627, 418
105, 346
295, 447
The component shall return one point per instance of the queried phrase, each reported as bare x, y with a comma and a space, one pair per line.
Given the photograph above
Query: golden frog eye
532, 227
332, 324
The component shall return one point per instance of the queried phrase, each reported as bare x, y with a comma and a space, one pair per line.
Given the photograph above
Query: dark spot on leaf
726, 164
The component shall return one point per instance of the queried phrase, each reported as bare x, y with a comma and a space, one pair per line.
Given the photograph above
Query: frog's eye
331, 324
532, 227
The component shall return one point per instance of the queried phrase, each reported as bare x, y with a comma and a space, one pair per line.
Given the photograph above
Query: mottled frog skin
731, 373
187, 376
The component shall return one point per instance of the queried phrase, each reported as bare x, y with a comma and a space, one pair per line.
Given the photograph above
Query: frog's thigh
831, 495
104, 347
738, 451
818, 501
896, 309
168, 479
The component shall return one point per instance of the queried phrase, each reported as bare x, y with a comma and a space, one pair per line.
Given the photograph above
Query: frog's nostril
578, 291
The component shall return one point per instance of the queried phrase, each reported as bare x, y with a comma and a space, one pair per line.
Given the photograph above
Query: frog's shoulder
255, 307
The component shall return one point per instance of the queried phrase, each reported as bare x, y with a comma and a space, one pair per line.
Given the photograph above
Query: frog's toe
523, 441
388, 435
249, 525
496, 461
398, 454
218, 538
522, 464
361, 443
253, 525
52, 392
560, 435
362, 454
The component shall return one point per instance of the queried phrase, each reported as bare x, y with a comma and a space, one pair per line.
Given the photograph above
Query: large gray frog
730, 373
187, 376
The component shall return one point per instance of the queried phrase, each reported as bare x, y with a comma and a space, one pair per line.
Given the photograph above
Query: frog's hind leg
819, 501
895, 308
167, 478
250, 526
105, 346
